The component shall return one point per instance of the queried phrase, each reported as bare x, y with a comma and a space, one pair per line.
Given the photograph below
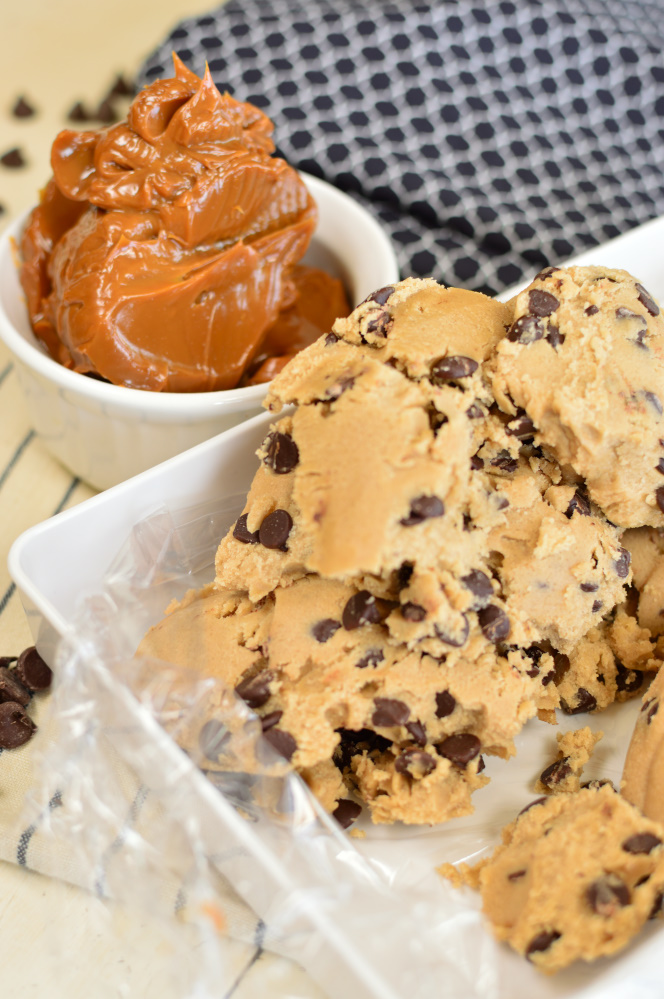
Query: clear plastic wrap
169, 799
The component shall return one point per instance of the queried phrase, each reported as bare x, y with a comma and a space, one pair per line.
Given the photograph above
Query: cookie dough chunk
585, 359
574, 750
643, 776
576, 877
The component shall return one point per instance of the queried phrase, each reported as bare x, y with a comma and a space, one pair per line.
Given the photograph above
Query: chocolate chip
537, 801
545, 273
78, 113
23, 108
255, 691
578, 503
476, 463
275, 529
622, 563
282, 453
622, 312
456, 640
647, 301
413, 612
423, 508
638, 843
324, 629
654, 401
494, 623
105, 113
594, 785
122, 87
591, 310
652, 711
381, 296
283, 742
212, 739
11, 689
555, 337
659, 467
415, 763
13, 158
505, 461
330, 339
628, 680
460, 748
339, 387
480, 586
597, 606
542, 303
271, 719
475, 412
353, 743
365, 608
449, 369
516, 875
607, 895
585, 701
445, 704
589, 587
542, 942
404, 574
32, 671
526, 330
389, 712
556, 773
16, 727
418, 732
346, 812
242, 533
381, 324
371, 658
522, 428
480, 764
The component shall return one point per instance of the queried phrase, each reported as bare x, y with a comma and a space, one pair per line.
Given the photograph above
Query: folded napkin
490, 139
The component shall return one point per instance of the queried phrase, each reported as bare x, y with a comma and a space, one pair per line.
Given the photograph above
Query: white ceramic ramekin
106, 433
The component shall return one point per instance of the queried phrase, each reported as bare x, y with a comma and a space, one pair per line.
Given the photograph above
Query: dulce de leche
163, 252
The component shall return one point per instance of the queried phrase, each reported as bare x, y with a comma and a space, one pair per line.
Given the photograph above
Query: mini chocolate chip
418, 732
516, 875
346, 812
11, 689
657, 906
330, 339
23, 108
647, 301
78, 113
480, 764
413, 612
494, 623
404, 574
242, 533
122, 87
622, 312
16, 727
389, 712
585, 701
255, 691
537, 801
445, 704
652, 712
32, 671
423, 508
283, 742
365, 608
454, 639
555, 337
323, 630
381, 296
271, 719
476, 462
212, 739
580, 503
542, 303
638, 843
591, 310
589, 587
622, 563
13, 159
542, 942
545, 273
381, 324
339, 387
480, 586
522, 427
628, 680
505, 461
475, 412
654, 401
659, 467
451, 368
105, 113
275, 529
556, 772
282, 454
415, 763
371, 658
597, 606
460, 748
526, 330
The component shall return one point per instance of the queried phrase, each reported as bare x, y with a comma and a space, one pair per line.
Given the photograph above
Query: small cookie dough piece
585, 359
646, 546
633, 647
574, 750
643, 776
576, 877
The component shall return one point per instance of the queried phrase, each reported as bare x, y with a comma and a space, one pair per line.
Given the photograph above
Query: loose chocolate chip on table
647, 301
371, 658
381, 296
323, 630
32, 671
589, 587
212, 739
638, 843
505, 461
11, 689
105, 113
13, 158
542, 942
516, 875
542, 303
78, 113
591, 310
418, 732
271, 719
365, 608
460, 749
449, 369
283, 742
16, 727
23, 108
275, 529
255, 691
628, 680
282, 454
389, 712
522, 427
445, 704
415, 762
494, 623
526, 330
622, 563
556, 773
381, 324
122, 87
480, 586
585, 701
423, 508
413, 612
537, 801
578, 503
455, 639
608, 894
555, 337
346, 812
